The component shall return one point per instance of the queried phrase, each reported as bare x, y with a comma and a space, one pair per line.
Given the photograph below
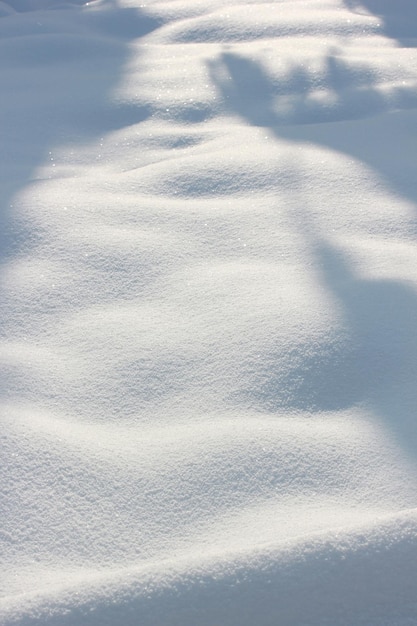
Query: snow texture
208, 225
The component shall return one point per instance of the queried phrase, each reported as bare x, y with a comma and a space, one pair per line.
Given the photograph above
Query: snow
208, 312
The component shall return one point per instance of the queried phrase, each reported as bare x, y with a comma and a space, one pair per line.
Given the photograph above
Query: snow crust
208, 313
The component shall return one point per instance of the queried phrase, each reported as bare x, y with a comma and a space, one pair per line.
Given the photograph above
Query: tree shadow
382, 319
301, 107
69, 61
399, 18
373, 362
296, 97
376, 363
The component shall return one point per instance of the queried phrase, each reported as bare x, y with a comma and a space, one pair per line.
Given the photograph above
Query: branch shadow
248, 90
378, 365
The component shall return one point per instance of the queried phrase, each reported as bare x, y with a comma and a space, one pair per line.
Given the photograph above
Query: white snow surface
208, 313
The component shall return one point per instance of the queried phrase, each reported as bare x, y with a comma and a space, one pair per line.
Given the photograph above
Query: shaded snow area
208, 228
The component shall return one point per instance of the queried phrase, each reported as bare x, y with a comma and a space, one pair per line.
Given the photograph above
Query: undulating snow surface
208, 313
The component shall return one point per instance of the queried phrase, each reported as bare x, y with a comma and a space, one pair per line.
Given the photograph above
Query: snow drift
209, 312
